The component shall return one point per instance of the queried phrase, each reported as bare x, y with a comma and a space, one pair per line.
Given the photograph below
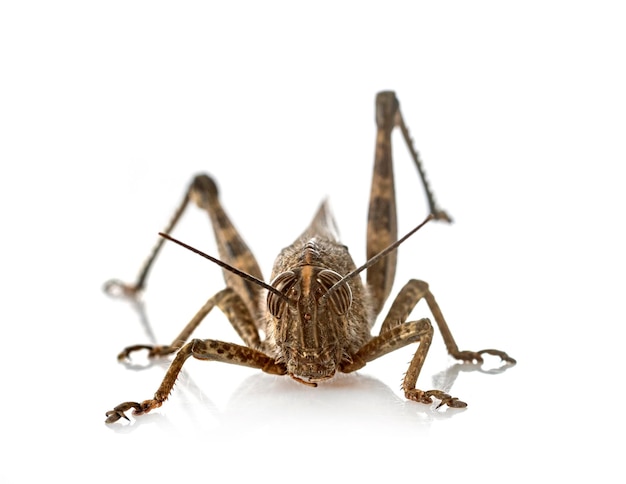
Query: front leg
394, 339
210, 350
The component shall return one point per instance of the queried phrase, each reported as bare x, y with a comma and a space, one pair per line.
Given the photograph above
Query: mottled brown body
311, 336
315, 322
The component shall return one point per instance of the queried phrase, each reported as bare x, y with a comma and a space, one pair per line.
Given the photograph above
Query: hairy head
308, 328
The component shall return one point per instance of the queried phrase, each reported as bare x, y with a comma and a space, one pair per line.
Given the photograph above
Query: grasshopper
316, 315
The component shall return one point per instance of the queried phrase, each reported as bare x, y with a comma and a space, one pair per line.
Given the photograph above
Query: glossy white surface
108, 111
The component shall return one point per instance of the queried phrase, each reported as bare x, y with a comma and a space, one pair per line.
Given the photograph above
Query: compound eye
340, 298
285, 283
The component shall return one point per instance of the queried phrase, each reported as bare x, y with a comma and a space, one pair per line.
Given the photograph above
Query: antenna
343, 280
228, 267
376, 258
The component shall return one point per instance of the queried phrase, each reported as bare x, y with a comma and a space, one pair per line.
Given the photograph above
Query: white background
107, 110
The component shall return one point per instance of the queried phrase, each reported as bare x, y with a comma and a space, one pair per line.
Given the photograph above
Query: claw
426, 398
125, 353
503, 356
452, 402
476, 356
114, 416
118, 412
446, 399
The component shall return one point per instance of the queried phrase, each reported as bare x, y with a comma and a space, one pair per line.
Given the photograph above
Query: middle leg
231, 305
408, 297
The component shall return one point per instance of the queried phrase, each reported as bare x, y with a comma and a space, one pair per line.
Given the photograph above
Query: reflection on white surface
265, 400
261, 400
